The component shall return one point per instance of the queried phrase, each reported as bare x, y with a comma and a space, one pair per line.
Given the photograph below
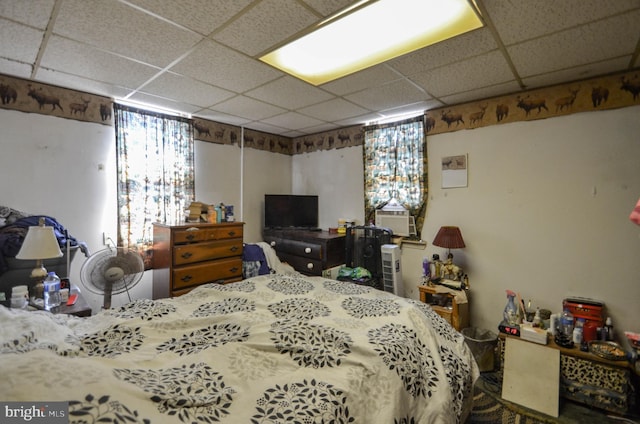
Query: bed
273, 348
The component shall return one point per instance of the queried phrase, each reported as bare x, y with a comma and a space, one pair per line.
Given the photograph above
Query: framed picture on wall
454, 171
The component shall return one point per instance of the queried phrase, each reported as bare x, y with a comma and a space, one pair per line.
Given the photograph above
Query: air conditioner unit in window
391, 269
395, 217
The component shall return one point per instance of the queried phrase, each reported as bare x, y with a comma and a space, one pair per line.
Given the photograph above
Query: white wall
336, 177
545, 212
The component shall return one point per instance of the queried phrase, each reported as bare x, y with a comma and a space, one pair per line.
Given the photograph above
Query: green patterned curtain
395, 167
155, 164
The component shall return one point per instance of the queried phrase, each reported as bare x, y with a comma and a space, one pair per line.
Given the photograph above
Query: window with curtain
155, 167
395, 167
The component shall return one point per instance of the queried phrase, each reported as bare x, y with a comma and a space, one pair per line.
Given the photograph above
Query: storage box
587, 309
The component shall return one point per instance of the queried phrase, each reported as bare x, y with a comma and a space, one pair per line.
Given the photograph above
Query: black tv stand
307, 251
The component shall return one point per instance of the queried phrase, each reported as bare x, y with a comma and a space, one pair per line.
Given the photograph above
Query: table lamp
40, 243
450, 238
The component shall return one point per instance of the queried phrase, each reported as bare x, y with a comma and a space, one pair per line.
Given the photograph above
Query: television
283, 211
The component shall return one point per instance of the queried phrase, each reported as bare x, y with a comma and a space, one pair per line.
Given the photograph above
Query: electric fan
112, 271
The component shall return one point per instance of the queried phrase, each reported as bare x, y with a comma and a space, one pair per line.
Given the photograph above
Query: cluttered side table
450, 304
80, 308
589, 379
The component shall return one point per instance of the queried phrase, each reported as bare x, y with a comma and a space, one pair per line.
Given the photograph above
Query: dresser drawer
195, 234
198, 252
309, 266
300, 248
215, 271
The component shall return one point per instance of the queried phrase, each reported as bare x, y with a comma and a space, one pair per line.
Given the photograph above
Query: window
155, 166
395, 167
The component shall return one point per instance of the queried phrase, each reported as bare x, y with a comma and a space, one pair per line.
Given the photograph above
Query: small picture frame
454, 171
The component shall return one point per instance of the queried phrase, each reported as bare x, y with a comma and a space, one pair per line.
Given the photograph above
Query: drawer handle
273, 244
234, 269
190, 237
186, 278
186, 255
234, 248
231, 233
309, 265
307, 250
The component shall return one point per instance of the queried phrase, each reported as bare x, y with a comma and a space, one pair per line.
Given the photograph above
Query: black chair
362, 249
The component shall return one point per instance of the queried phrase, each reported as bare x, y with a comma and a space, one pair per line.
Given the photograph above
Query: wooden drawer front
198, 252
302, 264
207, 234
192, 275
299, 248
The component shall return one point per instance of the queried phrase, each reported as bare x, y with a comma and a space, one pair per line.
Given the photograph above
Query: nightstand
80, 309
447, 303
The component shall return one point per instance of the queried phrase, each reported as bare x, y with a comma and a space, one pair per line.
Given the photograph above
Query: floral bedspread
269, 349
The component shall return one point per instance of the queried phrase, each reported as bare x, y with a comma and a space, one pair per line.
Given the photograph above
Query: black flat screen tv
290, 211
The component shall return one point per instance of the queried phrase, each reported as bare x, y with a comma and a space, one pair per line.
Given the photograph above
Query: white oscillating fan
112, 271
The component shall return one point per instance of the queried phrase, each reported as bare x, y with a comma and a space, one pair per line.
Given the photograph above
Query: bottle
609, 326
51, 291
536, 318
510, 314
567, 324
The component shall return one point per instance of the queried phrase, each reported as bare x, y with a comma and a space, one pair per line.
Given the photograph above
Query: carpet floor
489, 407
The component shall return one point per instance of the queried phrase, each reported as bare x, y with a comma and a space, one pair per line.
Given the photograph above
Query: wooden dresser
188, 255
308, 252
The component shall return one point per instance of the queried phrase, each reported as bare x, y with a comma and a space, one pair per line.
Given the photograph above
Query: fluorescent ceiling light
371, 32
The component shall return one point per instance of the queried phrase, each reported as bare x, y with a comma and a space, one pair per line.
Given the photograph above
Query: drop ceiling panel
266, 24
334, 109
201, 16
191, 91
578, 46
81, 60
328, 7
34, 13
521, 20
292, 121
388, 96
83, 84
162, 102
289, 93
218, 65
115, 26
371, 77
19, 42
248, 108
488, 69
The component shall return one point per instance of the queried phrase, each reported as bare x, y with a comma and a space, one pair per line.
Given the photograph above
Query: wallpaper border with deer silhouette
33, 97
598, 93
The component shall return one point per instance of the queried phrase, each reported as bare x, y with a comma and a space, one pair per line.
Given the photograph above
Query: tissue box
533, 334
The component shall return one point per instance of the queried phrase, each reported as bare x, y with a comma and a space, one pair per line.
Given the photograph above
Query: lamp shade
40, 243
449, 237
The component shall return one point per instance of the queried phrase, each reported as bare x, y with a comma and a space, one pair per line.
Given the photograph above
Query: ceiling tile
292, 121
190, 91
78, 59
19, 42
63, 79
482, 93
11, 67
289, 93
246, 107
163, 103
577, 73
370, 77
577, 46
467, 45
388, 96
266, 24
333, 110
328, 7
320, 128
202, 16
263, 126
222, 117
34, 13
479, 71
117, 27
218, 65
413, 109
525, 19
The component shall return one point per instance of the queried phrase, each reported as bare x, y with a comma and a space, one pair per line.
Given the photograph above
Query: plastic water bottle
51, 291
567, 324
